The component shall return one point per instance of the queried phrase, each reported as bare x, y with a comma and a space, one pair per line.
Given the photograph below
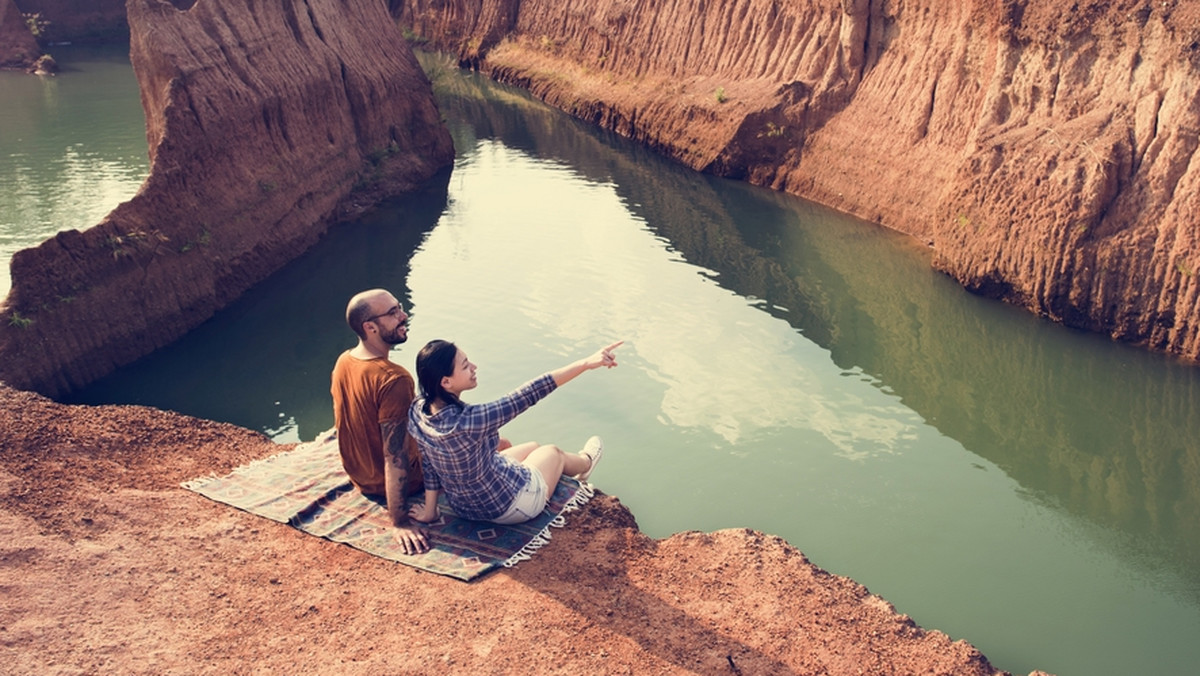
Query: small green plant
413, 38
720, 95
37, 25
267, 187
15, 319
118, 242
772, 130
963, 221
1183, 268
202, 239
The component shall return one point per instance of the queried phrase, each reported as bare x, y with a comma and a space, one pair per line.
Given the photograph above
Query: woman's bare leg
519, 452
552, 462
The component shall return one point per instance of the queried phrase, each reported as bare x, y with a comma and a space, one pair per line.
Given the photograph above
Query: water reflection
1103, 434
72, 147
1103, 431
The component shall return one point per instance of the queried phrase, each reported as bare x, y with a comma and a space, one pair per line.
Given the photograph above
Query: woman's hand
424, 512
604, 357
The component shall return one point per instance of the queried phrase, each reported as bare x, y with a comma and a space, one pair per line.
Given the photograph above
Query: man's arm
395, 469
395, 475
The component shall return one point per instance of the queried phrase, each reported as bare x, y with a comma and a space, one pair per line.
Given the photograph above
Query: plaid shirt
458, 451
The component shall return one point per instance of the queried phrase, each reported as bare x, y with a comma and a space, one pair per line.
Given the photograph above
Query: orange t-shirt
367, 393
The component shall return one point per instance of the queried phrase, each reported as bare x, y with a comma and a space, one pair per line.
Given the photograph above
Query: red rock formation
1047, 153
266, 121
18, 47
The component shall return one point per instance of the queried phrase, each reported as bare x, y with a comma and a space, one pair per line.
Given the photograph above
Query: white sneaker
592, 450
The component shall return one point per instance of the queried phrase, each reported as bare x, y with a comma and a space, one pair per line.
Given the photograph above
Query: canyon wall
1047, 153
18, 47
266, 122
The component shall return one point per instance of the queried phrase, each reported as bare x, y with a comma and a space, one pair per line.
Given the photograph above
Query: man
371, 396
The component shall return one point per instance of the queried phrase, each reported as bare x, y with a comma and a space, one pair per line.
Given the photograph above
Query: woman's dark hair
434, 362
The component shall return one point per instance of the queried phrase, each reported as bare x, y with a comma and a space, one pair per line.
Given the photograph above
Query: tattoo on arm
393, 445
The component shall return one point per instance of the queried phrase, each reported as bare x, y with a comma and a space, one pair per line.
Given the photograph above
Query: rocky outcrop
1047, 154
266, 122
18, 48
111, 568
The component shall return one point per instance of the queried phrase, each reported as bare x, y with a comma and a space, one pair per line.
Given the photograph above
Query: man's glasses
394, 313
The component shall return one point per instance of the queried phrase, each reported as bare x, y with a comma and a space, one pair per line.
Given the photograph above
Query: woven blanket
307, 488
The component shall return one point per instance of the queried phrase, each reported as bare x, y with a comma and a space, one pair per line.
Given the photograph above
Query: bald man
371, 397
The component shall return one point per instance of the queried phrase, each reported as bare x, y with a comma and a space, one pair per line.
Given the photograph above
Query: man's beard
395, 338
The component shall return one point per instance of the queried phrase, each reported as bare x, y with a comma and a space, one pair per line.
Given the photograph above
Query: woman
460, 443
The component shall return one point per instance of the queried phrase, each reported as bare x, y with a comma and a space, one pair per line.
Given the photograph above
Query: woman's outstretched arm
603, 357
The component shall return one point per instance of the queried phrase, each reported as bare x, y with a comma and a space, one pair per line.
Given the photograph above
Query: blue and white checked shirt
458, 450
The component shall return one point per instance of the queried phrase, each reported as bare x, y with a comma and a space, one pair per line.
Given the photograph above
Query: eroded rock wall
1047, 153
18, 47
266, 122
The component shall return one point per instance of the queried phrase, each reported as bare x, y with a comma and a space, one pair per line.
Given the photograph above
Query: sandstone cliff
1047, 153
265, 122
18, 47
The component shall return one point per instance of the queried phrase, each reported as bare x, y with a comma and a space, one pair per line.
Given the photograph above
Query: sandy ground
108, 566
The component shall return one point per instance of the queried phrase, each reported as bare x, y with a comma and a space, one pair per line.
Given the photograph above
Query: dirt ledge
110, 567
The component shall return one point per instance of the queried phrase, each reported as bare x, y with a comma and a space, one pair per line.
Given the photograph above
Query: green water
1030, 489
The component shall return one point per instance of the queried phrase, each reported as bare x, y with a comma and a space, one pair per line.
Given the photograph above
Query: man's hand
411, 539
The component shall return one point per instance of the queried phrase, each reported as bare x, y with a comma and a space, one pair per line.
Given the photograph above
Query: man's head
377, 313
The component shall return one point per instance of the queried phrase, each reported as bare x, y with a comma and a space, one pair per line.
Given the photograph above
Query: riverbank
113, 568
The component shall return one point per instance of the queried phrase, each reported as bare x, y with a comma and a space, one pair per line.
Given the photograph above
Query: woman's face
463, 377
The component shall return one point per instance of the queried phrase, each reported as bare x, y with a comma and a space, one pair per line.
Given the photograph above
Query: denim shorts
529, 502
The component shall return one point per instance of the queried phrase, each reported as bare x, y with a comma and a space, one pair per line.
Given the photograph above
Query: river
1028, 488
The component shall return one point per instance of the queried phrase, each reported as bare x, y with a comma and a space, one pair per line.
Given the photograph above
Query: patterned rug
307, 488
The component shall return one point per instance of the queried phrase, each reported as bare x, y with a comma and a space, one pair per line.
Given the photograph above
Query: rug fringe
581, 497
199, 482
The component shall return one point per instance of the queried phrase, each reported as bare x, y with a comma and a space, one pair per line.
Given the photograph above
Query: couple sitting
380, 428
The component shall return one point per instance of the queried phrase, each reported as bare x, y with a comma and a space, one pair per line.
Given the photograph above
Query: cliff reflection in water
1104, 432
1107, 433
683, 213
